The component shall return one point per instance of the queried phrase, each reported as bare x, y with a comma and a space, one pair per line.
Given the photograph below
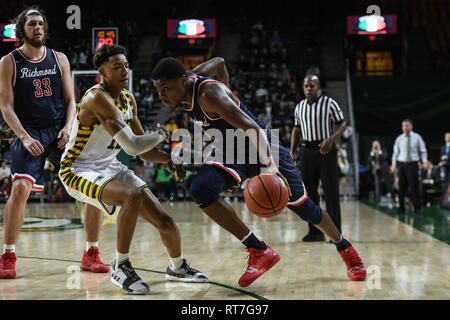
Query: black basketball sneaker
185, 274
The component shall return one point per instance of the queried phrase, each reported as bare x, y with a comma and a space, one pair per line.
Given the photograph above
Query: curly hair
105, 52
21, 19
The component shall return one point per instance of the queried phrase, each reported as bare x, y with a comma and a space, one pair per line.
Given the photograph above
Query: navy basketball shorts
26, 166
214, 178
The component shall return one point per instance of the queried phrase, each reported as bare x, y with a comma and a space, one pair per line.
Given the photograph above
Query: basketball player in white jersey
107, 122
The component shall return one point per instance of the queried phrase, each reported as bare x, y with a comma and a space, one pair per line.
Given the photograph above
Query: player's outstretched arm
102, 105
155, 155
214, 68
152, 155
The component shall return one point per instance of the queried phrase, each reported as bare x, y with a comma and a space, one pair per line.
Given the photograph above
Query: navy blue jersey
239, 171
200, 117
38, 98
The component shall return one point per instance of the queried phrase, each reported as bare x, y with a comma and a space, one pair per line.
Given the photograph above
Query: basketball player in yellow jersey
107, 122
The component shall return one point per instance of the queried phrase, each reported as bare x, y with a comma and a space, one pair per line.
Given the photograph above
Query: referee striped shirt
316, 119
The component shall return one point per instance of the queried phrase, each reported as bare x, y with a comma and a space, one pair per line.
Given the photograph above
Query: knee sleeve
308, 211
206, 187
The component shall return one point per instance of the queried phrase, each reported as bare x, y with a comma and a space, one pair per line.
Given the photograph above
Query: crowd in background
262, 79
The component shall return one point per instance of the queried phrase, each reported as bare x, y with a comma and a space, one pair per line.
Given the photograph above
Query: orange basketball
266, 195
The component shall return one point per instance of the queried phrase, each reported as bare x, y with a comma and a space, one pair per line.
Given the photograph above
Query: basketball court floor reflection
402, 262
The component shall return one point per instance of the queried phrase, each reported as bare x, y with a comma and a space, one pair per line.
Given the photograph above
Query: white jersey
92, 146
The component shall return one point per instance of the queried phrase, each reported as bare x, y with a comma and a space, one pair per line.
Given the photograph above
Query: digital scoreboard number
102, 36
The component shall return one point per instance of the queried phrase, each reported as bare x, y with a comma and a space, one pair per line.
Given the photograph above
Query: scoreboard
191, 28
101, 36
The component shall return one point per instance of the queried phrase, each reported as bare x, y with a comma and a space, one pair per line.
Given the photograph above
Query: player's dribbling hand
33, 146
274, 170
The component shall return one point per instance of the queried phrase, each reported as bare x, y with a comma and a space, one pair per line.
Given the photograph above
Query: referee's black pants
315, 166
408, 176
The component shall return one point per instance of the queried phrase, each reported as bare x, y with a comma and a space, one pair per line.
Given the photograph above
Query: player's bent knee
308, 211
21, 186
133, 196
203, 192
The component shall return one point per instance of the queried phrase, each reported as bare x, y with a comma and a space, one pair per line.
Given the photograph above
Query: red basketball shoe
259, 261
355, 267
8, 265
91, 261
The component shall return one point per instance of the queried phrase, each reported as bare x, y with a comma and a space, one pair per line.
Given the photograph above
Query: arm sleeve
135, 145
297, 116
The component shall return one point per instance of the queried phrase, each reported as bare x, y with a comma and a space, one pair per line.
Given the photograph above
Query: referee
313, 130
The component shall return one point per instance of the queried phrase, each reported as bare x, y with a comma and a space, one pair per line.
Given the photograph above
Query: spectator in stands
5, 170
276, 41
285, 73
267, 115
286, 136
172, 125
83, 59
139, 167
273, 72
379, 167
261, 92
148, 98
445, 160
161, 179
5, 189
281, 113
430, 188
74, 59
48, 179
343, 167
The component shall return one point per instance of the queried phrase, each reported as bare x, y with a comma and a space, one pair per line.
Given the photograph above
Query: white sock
175, 263
9, 247
91, 244
120, 257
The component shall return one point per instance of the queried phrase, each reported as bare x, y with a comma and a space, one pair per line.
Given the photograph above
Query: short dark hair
105, 52
315, 71
408, 120
168, 68
21, 19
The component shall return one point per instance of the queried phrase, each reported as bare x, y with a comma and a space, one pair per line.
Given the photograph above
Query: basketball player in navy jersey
38, 104
213, 105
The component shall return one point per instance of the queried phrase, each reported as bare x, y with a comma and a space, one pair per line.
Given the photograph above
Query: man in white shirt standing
409, 149
5, 170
